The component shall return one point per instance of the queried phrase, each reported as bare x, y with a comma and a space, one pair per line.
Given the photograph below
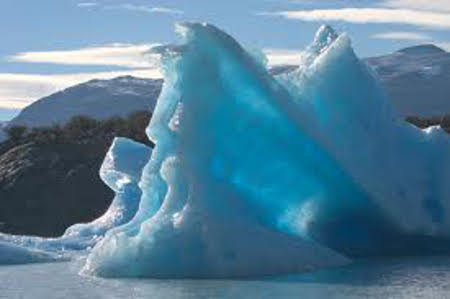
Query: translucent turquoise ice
247, 167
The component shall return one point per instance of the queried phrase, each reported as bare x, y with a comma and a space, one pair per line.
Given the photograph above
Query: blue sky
51, 44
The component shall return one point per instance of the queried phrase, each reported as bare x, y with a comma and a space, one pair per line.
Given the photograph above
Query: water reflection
398, 278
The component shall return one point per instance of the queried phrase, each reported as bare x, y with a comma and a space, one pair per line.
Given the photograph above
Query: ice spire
324, 37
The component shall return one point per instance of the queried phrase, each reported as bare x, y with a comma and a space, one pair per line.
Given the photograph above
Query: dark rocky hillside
49, 177
45, 188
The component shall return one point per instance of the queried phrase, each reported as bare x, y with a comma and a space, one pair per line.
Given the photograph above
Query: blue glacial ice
402, 170
229, 160
248, 167
258, 174
121, 171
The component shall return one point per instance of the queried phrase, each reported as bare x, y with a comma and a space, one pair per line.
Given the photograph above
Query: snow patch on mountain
99, 99
417, 80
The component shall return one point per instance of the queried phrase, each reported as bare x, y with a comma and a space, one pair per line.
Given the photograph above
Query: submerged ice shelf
255, 174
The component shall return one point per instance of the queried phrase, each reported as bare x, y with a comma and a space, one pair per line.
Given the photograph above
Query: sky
49, 45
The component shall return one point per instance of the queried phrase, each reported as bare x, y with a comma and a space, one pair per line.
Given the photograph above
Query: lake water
405, 278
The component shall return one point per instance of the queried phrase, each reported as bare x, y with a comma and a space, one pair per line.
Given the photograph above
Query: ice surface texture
402, 170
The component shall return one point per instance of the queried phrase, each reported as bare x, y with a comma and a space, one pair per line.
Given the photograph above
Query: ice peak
324, 37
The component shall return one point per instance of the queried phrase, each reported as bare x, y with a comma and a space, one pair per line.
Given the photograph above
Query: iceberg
254, 174
229, 159
258, 173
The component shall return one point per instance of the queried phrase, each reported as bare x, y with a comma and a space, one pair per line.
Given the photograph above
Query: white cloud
402, 35
429, 5
123, 55
145, 9
282, 56
87, 4
430, 19
20, 90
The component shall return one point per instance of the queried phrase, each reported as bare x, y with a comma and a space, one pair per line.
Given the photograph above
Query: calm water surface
405, 278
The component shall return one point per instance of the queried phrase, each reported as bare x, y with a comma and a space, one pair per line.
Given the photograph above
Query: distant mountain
417, 79
99, 99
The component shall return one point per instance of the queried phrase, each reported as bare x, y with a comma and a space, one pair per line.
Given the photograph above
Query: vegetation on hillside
86, 130
81, 130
